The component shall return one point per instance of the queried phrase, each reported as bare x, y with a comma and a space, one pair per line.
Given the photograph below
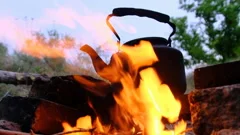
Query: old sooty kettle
170, 68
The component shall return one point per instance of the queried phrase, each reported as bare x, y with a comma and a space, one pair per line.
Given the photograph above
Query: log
67, 91
72, 91
215, 108
38, 115
98, 87
217, 75
16, 78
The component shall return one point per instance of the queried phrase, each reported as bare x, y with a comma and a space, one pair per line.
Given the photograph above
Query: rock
226, 132
215, 108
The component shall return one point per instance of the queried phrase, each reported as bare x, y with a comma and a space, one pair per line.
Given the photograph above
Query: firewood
215, 108
16, 78
217, 75
93, 85
38, 115
67, 90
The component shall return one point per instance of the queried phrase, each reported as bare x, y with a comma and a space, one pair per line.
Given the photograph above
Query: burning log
38, 115
213, 109
68, 91
15, 78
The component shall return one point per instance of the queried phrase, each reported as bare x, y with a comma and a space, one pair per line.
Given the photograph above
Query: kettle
170, 67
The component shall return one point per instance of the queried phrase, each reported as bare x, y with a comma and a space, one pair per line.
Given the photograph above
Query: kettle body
170, 67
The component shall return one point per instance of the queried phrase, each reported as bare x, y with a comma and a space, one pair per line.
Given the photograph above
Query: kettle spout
97, 61
113, 71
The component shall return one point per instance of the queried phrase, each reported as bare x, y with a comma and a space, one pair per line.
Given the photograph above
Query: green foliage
3, 50
217, 30
3, 54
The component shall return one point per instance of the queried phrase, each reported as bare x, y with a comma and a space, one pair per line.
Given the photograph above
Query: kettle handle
160, 17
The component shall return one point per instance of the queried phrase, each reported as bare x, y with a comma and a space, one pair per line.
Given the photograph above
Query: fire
82, 122
40, 50
144, 106
159, 102
147, 104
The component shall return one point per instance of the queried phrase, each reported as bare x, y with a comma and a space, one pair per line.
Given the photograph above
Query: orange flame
150, 102
82, 122
159, 102
39, 50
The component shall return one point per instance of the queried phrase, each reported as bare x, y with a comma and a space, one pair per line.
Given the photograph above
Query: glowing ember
150, 102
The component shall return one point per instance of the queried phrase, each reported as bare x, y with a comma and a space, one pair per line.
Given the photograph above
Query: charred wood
68, 91
215, 108
39, 115
72, 91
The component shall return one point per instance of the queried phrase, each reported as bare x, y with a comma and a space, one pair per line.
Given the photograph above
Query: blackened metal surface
170, 67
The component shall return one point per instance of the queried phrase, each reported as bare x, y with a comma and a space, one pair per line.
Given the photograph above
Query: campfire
142, 106
140, 92
129, 98
138, 109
